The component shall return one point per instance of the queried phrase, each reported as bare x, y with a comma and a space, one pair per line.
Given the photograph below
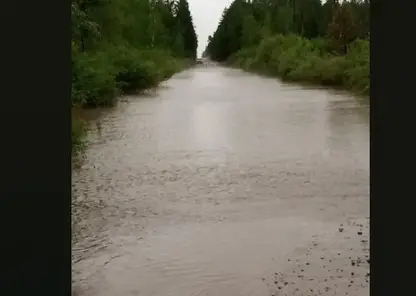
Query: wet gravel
334, 273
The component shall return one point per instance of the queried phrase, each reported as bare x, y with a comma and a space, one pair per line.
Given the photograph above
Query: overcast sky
206, 14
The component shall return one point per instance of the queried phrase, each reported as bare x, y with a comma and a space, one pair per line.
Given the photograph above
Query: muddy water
224, 183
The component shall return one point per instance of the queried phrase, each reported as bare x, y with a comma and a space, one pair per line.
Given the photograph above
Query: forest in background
120, 46
298, 40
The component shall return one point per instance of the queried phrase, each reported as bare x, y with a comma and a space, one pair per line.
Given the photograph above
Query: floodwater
223, 183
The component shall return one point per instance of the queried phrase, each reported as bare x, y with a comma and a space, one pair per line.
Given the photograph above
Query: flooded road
223, 183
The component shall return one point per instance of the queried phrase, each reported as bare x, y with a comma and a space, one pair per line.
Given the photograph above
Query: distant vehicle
199, 61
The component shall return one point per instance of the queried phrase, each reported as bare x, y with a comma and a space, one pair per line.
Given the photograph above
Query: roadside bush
298, 59
357, 74
132, 70
165, 62
307, 70
170, 66
240, 57
321, 45
263, 53
93, 81
332, 70
99, 78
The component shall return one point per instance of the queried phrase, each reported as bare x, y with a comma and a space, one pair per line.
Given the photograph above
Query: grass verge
297, 59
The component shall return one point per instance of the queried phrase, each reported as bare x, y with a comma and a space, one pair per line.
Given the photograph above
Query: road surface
224, 183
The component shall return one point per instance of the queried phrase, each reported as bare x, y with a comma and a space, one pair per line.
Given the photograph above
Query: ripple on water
209, 184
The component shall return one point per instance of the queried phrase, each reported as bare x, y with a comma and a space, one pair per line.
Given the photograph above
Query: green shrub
321, 46
140, 69
357, 74
132, 71
295, 58
171, 66
165, 63
332, 70
93, 81
99, 78
307, 70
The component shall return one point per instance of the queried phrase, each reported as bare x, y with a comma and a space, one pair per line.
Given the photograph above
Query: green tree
251, 33
186, 29
297, 40
344, 27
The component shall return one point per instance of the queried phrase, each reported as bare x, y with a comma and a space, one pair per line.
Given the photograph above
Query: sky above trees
206, 15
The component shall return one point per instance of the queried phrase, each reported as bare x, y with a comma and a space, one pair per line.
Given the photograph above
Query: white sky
206, 15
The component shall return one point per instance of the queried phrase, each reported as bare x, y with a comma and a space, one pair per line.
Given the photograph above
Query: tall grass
78, 132
295, 58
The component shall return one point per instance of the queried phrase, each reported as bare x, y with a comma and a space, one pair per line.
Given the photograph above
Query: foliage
132, 70
358, 66
126, 45
298, 59
298, 40
93, 80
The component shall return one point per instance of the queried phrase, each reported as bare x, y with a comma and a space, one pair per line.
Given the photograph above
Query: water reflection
213, 182
347, 127
210, 127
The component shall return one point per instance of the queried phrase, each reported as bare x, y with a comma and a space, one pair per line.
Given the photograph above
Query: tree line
247, 22
143, 24
297, 39
126, 45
